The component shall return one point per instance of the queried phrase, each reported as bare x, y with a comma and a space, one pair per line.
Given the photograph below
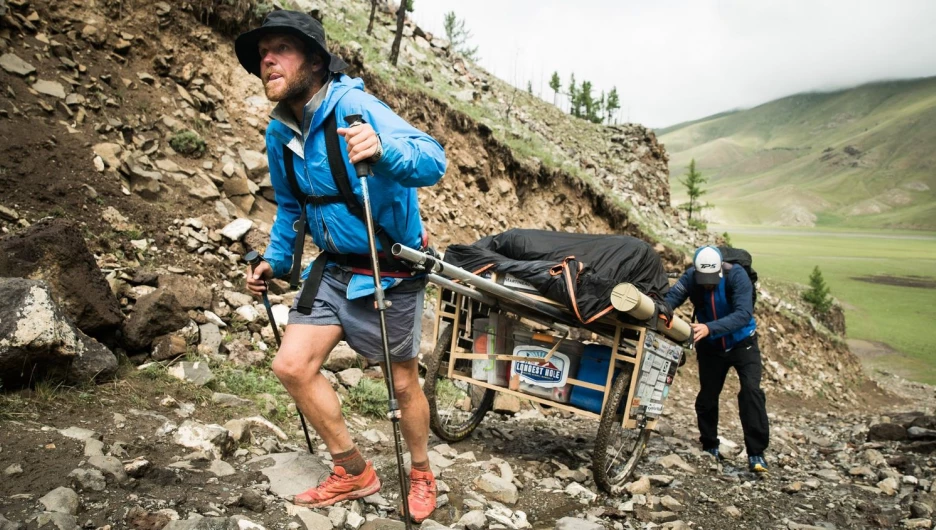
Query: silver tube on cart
437, 266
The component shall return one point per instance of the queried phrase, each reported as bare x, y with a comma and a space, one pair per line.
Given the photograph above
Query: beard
296, 88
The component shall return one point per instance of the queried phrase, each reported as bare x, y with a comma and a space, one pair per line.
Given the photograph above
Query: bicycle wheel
617, 450
455, 407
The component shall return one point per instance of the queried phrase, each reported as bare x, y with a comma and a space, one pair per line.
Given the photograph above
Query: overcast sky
673, 61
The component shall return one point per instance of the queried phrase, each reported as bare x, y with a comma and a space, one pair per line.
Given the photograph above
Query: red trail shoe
340, 486
422, 495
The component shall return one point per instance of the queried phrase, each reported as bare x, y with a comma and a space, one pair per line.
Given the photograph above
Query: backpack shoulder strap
339, 171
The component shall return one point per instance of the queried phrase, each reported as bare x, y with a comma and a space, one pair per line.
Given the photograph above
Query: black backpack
739, 256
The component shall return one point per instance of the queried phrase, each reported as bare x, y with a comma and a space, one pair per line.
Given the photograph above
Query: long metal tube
437, 266
363, 170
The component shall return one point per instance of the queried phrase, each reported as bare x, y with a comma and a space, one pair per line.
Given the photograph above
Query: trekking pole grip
362, 169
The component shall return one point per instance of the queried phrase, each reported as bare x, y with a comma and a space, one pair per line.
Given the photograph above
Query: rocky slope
95, 98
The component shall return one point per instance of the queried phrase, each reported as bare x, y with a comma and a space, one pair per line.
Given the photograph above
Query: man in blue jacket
289, 54
725, 337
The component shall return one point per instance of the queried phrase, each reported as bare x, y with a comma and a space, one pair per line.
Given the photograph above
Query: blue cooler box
593, 368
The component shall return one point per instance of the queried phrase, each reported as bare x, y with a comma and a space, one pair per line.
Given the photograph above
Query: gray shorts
361, 321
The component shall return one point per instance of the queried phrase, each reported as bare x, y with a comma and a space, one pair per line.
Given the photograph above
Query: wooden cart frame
620, 344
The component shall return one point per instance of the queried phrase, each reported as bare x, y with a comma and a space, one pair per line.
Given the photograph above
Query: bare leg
297, 365
414, 423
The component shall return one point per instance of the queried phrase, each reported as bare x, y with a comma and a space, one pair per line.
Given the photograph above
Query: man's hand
362, 142
699, 332
256, 283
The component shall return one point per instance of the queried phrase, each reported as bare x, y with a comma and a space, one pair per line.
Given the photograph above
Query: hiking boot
422, 495
757, 464
715, 453
340, 486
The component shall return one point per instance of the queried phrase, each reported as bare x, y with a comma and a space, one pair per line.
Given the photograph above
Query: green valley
863, 158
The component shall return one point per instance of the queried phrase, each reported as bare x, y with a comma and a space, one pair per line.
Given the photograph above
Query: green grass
901, 317
368, 398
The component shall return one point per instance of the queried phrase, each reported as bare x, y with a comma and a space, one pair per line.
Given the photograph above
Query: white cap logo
708, 265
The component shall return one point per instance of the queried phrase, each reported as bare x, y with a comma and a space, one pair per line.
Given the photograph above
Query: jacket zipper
715, 317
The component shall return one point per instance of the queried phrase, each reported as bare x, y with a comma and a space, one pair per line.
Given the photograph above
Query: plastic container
490, 337
547, 380
593, 369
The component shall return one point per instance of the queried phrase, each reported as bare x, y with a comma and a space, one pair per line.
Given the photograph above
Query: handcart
477, 318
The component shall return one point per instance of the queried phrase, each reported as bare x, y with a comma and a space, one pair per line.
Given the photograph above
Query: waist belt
358, 263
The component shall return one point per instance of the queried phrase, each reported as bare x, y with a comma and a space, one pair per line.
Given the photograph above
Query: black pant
714, 364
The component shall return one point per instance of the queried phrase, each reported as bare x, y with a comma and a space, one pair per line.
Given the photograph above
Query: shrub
188, 143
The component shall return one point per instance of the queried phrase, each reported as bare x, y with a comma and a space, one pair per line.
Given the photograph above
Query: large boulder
155, 314
38, 340
55, 252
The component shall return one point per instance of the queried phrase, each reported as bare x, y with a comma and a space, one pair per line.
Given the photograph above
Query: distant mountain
861, 157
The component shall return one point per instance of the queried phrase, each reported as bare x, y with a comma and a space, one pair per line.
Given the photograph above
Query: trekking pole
253, 259
362, 169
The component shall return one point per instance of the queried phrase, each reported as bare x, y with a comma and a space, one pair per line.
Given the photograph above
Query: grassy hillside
862, 157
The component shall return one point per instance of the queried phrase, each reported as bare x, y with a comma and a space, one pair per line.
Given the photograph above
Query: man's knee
406, 384
290, 367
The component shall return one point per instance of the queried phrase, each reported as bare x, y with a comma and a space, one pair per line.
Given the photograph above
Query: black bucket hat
309, 30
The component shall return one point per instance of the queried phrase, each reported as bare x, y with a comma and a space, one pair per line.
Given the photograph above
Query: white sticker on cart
654, 409
552, 374
512, 281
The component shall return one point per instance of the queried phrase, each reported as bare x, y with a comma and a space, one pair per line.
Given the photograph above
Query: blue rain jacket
411, 159
729, 321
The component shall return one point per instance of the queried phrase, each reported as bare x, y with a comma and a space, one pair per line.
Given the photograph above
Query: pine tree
573, 94
586, 102
530, 87
405, 5
818, 293
612, 104
693, 183
555, 84
458, 37
373, 12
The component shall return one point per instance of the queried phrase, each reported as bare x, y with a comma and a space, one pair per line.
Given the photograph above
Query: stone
350, 377
255, 162
196, 373
638, 487
49, 88
292, 473
355, 521
37, 339
244, 356
236, 186
61, 500
155, 314
168, 347
313, 520
337, 516
110, 466
88, 479
793, 487
14, 65
341, 358
506, 404
497, 488
220, 468
673, 460
55, 251
8, 214
109, 153
579, 491
210, 338
917, 523
190, 292
660, 480
732, 511
889, 486
575, 523
887, 432
920, 433
475, 520
236, 299
229, 400
236, 229
211, 438
80, 434
145, 183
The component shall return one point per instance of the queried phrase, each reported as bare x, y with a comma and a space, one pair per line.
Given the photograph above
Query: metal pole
363, 170
253, 258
